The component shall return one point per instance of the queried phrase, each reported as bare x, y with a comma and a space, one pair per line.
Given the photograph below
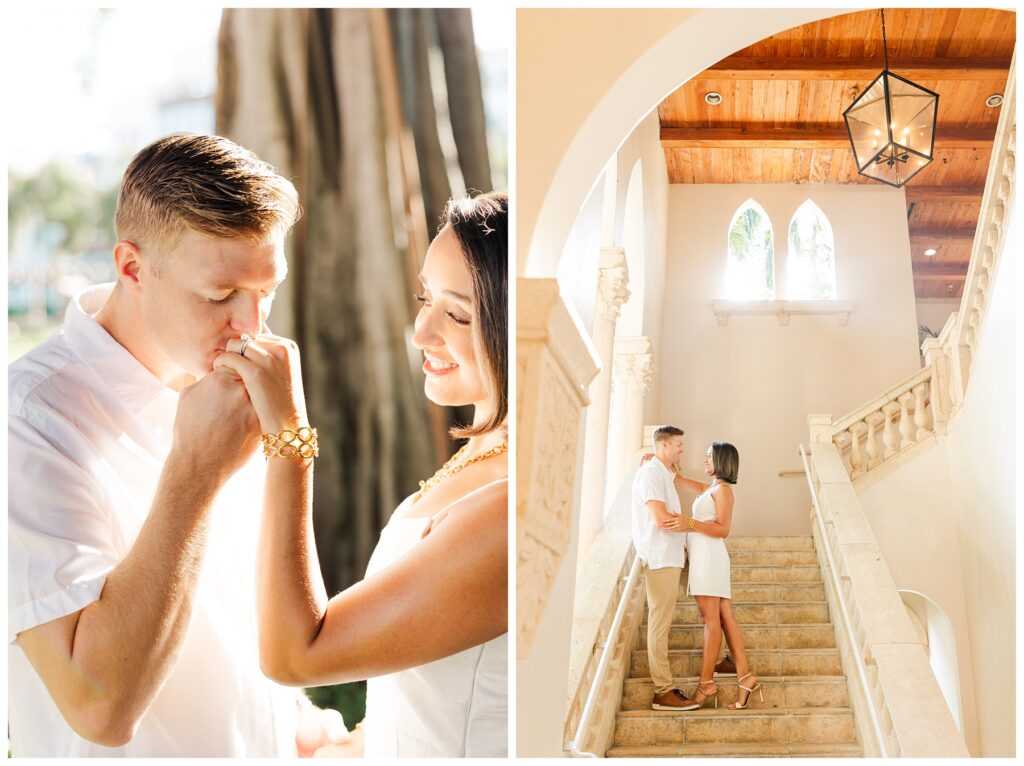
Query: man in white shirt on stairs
664, 552
135, 488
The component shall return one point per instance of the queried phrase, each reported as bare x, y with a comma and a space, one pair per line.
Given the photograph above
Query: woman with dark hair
709, 579
428, 624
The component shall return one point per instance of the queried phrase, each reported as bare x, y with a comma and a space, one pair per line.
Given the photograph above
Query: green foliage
811, 243
65, 195
750, 239
347, 699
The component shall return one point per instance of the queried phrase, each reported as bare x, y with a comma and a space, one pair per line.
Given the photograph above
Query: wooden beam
938, 236
866, 69
943, 193
948, 271
809, 137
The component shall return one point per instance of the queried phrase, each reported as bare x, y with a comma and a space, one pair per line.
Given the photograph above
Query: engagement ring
245, 342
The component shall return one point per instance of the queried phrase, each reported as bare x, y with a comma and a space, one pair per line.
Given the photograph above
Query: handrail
602, 665
844, 610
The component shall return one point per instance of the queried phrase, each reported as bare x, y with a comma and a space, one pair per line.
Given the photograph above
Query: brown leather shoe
726, 668
673, 699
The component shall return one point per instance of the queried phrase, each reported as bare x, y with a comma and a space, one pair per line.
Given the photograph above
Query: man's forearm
125, 644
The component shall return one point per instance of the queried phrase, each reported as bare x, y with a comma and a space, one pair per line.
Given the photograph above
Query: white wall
753, 382
913, 513
983, 468
577, 269
934, 312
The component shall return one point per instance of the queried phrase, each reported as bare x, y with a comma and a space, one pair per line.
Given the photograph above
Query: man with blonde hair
131, 563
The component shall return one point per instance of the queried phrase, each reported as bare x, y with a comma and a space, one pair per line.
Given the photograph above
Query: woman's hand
272, 373
677, 524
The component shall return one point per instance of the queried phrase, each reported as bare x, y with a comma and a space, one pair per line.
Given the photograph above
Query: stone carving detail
612, 279
635, 371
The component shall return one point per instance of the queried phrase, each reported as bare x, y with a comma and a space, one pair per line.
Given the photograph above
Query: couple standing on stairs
657, 521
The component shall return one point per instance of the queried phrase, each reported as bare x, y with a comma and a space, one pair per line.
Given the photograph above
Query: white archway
941, 646
551, 199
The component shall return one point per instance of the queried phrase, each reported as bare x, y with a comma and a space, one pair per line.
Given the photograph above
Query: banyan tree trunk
307, 90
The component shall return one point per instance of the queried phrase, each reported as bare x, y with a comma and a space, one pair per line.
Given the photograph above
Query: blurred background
377, 116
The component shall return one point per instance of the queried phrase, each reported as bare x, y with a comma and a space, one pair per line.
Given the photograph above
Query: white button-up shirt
657, 547
89, 430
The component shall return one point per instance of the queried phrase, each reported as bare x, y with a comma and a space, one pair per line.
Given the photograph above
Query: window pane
810, 266
750, 272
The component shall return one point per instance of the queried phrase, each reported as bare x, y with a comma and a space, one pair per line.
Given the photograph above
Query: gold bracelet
691, 523
298, 443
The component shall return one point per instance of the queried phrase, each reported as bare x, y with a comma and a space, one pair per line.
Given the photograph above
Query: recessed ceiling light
994, 100
930, 251
713, 98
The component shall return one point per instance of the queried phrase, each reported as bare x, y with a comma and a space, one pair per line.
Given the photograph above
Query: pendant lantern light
892, 126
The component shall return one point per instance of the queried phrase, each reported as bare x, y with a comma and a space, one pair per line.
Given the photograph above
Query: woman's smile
435, 366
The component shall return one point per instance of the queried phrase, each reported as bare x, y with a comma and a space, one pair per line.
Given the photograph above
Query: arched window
811, 263
750, 272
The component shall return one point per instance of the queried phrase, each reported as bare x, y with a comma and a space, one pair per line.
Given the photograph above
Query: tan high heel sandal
704, 695
737, 705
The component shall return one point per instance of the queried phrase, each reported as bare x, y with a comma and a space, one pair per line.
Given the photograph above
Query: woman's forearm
711, 528
292, 598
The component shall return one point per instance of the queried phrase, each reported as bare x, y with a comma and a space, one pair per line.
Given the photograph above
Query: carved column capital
612, 281
634, 364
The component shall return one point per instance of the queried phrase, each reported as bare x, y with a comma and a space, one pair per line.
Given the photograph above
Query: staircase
779, 601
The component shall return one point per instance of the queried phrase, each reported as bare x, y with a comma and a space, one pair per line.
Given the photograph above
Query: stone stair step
779, 692
755, 636
740, 750
770, 543
756, 613
788, 592
765, 662
772, 558
708, 725
742, 573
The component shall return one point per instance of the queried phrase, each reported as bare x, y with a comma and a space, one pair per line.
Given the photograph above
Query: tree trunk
300, 88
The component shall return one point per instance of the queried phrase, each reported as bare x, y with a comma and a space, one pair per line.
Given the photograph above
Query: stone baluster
889, 412
940, 395
921, 411
906, 423
612, 293
856, 459
871, 447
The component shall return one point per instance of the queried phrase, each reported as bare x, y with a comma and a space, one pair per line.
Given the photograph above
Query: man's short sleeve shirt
656, 546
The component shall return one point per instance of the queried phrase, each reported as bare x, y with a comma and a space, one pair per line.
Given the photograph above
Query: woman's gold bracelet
298, 443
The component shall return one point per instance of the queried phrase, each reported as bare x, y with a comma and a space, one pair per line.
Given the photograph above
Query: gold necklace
450, 469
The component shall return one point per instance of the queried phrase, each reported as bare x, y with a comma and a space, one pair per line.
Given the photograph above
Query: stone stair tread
739, 750
698, 650
750, 712
726, 680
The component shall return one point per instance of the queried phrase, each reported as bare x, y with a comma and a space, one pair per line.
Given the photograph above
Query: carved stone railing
884, 427
906, 415
615, 642
899, 709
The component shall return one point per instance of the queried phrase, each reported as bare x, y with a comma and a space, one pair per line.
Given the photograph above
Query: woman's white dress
453, 707
708, 558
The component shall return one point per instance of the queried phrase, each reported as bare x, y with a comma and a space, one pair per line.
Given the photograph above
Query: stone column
634, 368
555, 362
935, 357
613, 275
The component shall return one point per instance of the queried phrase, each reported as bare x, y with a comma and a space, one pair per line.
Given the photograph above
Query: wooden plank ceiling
781, 117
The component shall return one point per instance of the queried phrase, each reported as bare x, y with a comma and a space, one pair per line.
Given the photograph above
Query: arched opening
940, 644
810, 262
750, 262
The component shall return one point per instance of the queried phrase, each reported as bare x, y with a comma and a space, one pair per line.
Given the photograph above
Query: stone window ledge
782, 309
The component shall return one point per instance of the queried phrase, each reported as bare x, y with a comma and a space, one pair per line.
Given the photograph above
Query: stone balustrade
883, 428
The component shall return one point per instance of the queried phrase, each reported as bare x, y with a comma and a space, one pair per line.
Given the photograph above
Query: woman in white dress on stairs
428, 625
709, 576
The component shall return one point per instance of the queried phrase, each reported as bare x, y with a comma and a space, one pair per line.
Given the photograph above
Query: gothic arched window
750, 272
811, 263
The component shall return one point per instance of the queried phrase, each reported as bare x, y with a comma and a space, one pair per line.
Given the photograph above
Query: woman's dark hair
725, 461
481, 225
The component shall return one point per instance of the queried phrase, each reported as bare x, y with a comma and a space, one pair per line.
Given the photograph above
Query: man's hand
216, 426
319, 728
676, 524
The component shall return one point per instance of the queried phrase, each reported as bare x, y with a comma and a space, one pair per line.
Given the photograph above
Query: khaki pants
662, 592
